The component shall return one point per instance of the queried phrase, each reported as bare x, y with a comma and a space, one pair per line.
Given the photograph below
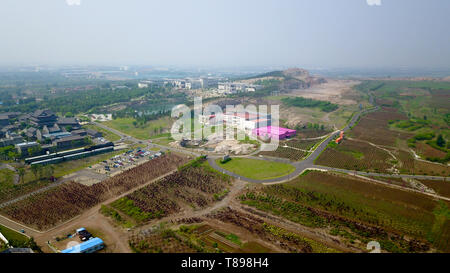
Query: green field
257, 169
151, 128
12, 235
15, 238
108, 135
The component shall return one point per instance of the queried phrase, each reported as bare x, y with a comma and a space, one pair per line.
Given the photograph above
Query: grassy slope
12, 235
257, 169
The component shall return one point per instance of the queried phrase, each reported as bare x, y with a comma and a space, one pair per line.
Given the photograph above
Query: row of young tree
307, 126
39, 171
140, 119
8, 153
42, 171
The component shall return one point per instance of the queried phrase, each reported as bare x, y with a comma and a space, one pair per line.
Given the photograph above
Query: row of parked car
129, 157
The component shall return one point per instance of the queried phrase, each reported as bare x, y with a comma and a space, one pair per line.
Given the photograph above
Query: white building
180, 84
236, 87
243, 121
142, 85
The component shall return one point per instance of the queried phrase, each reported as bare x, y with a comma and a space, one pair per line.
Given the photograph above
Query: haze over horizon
319, 33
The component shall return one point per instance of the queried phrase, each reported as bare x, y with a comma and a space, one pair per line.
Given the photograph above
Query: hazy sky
308, 33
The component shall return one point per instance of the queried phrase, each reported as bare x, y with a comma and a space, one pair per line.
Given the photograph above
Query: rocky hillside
290, 79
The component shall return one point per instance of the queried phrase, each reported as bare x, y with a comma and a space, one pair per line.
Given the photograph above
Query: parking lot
128, 159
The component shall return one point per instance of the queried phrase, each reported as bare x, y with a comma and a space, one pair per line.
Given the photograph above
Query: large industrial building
70, 154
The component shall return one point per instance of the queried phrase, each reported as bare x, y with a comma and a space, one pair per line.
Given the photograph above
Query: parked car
84, 235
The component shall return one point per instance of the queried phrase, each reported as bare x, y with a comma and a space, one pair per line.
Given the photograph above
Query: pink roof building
274, 132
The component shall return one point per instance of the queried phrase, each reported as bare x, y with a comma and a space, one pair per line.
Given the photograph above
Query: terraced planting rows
194, 186
393, 181
13, 191
47, 209
357, 211
288, 153
440, 187
288, 241
301, 144
311, 133
427, 151
361, 156
294, 149
373, 127
422, 117
409, 165
165, 241
355, 155
194, 238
